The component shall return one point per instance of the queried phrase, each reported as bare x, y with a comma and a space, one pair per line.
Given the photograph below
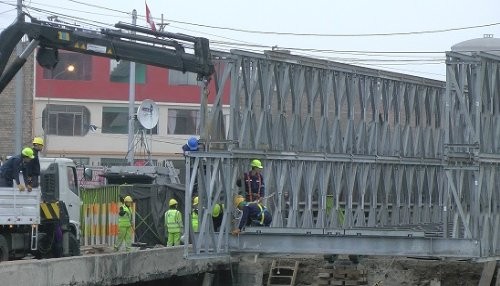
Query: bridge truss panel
347, 147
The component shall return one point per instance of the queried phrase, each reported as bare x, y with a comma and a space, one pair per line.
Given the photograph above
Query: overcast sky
339, 28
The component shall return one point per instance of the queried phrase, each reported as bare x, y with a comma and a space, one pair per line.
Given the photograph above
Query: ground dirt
386, 271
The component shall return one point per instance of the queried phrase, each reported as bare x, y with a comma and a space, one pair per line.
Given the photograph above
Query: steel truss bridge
356, 160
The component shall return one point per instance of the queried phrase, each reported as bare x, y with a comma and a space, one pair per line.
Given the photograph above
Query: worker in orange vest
253, 182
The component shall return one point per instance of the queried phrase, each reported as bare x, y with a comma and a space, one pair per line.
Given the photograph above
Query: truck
44, 222
32, 222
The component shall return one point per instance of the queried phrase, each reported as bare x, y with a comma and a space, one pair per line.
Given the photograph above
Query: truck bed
19, 208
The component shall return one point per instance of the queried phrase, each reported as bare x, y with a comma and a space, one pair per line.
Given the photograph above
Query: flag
149, 18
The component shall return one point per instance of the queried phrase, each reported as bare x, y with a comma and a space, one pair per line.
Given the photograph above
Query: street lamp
70, 68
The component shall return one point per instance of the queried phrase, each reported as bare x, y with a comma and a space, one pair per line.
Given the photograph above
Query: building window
180, 78
115, 121
183, 121
65, 120
82, 67
119, 71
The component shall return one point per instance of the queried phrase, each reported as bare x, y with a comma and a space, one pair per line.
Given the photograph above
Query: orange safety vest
248, 180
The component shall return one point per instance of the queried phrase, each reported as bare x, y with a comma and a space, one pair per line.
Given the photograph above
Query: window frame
53, 116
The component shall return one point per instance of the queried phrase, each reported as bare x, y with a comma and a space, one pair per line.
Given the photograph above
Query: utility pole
18, 125
131, 104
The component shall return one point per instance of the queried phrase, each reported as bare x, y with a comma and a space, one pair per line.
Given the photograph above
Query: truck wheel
4, 249
44, 247
74, 245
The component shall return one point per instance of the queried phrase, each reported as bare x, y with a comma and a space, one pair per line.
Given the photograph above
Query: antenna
148, 114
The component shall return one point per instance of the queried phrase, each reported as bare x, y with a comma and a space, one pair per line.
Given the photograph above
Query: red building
82, 111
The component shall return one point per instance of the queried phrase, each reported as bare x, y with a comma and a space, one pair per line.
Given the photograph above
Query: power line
239, 44
7, 11
338, 35
76, 10
346, 60
302, 34
244, 43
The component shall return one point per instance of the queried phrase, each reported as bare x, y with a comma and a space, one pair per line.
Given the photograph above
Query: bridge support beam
360, 245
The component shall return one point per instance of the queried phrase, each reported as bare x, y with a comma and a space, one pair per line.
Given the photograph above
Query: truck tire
4, 249
44, 247
74, 245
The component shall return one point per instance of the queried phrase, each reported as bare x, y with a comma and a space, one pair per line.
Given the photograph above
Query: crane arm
132, 43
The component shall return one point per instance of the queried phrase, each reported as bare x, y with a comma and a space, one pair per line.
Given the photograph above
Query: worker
125, 224
254, 182
173, 224
217, 215
193, 144
254, 214
11, 169
33, 167
194, 215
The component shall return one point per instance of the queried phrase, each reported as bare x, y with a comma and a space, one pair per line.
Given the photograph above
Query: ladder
282, 275
172, 172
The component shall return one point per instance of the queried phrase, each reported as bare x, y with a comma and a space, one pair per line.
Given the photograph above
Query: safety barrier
99, 215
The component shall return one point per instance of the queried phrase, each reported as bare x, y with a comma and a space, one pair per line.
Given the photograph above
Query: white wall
95, 145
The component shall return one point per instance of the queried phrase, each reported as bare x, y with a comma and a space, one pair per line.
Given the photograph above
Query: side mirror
87, 174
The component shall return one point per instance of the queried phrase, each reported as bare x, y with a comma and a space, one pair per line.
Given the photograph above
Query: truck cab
45, 221
59, 182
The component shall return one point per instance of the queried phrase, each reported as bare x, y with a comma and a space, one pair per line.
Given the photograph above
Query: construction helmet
172, 202
38, 140
238, 200
256, 163
193, 144
128, 199
216, 211
195, 201
28, 152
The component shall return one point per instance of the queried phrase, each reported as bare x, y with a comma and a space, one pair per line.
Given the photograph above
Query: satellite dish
148, 114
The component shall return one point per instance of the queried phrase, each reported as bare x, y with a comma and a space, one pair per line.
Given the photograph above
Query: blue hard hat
193, 144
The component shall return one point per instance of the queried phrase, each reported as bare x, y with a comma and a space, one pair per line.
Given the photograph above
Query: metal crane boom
161, 49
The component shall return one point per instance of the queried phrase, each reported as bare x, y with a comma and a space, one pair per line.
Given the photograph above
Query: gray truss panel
347, 147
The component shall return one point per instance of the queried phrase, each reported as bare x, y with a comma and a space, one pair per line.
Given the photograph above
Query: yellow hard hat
256, 163
172, 202
38, 140
238, 200
28, 152
195, 201
128, 199
216, 211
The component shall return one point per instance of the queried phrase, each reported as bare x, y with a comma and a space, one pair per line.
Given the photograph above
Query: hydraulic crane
128, 42
161, 49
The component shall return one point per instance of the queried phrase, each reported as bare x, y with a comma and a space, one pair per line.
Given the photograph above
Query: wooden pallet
342, 275
282, 274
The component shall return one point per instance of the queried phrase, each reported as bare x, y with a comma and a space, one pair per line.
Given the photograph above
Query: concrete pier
108, 269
